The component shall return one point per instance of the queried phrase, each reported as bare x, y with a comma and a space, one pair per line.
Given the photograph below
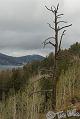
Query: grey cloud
23, 23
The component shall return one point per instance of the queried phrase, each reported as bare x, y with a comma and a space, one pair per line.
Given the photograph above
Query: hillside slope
27, 104
9, 60
68, 88
27, 93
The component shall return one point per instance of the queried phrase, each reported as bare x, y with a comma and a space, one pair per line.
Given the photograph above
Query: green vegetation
20, 95
68, 88
75, 49
17, 78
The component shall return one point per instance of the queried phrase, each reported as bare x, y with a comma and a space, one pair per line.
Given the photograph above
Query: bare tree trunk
56, 44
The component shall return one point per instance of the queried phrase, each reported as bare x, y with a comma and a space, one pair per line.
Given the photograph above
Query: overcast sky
23, 25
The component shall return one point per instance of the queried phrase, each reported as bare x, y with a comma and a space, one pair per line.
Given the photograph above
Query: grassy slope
24, 104
68, 88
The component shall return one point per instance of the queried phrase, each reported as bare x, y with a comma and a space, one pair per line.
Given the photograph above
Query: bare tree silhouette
57, 41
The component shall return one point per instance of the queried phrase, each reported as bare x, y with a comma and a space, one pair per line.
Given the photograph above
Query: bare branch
59, 15
61, 22
63, 34
50, 9
50, 38
51, 26
57, 6
57, 45
45, 42
61, 39
64, 27
51, 43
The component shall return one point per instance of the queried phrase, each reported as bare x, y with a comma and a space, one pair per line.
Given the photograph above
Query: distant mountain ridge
10, 60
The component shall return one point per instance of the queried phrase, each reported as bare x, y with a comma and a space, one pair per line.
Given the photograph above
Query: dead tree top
56, 28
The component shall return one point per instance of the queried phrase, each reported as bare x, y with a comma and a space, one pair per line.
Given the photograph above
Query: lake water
5, 67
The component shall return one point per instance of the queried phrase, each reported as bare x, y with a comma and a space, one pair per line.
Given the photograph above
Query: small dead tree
57, 41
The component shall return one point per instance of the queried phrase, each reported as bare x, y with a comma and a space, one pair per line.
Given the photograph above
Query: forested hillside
27, 93
16, 61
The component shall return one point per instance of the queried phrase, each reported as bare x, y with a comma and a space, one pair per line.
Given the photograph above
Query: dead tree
57, 41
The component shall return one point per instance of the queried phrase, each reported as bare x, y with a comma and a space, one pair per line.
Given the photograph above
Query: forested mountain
9, 60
